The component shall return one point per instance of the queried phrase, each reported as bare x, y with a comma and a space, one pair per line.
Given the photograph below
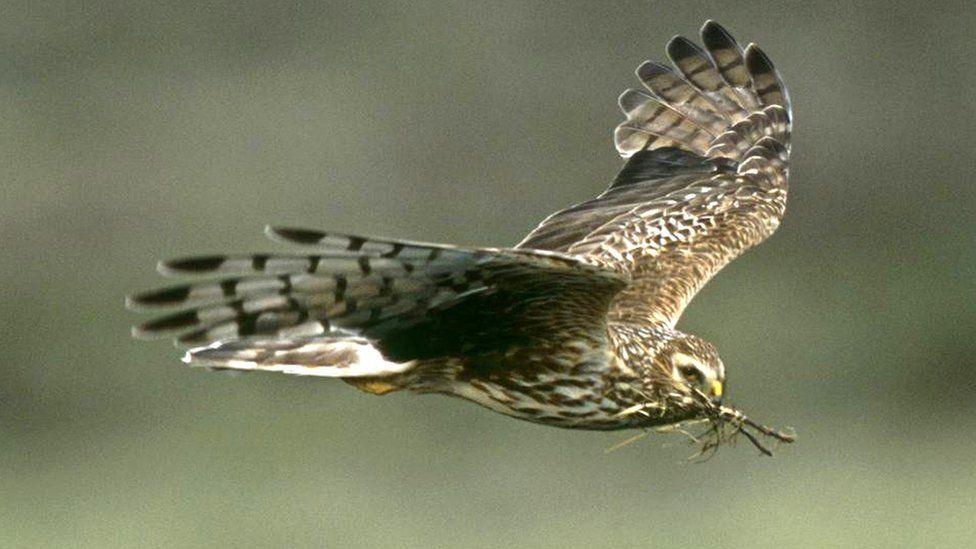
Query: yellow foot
374, 386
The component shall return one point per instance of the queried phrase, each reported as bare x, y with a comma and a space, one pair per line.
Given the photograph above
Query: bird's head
693, 363
695, 383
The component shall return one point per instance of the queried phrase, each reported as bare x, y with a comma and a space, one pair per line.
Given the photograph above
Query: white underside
314, 357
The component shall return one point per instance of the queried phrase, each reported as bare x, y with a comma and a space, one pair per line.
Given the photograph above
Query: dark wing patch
662, 164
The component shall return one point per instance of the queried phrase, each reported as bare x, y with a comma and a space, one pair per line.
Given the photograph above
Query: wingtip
155, 299
190, 265
649, 69
273, 233
631, 100
293, 235
136, 303
137, 332
714, 34
680, 47
755, 54
711, 25
676, 41
758, 62
163, 268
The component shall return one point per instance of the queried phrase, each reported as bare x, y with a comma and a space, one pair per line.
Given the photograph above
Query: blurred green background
139, 129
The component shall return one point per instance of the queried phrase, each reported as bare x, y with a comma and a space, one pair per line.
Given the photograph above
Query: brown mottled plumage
574, 326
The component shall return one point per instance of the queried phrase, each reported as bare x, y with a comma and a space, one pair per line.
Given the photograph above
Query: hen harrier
572, 327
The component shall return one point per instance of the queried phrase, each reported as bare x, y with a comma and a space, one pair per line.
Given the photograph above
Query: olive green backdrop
135, 130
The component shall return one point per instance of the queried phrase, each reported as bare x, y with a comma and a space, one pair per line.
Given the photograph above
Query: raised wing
706, 179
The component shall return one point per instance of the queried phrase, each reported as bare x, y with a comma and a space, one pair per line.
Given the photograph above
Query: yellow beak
716, 388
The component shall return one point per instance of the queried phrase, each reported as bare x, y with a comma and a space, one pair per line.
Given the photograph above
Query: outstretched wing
708, 148
375, 303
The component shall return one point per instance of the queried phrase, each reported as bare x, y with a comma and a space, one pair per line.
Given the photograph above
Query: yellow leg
371, 385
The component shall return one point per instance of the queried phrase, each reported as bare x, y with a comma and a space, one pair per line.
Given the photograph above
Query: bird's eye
691, 374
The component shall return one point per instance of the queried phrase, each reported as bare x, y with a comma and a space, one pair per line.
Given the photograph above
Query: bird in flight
572, 327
